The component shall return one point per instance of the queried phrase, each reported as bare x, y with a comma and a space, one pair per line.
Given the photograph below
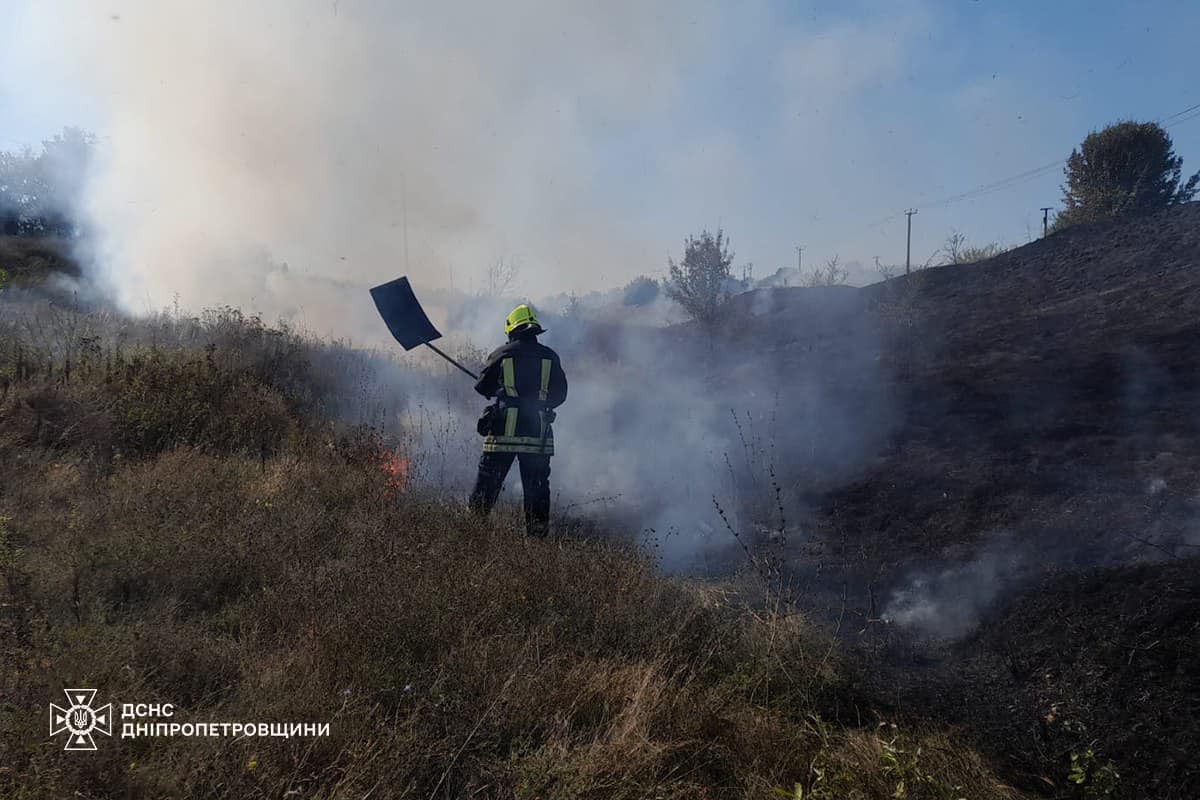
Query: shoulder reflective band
510, 389
510, 380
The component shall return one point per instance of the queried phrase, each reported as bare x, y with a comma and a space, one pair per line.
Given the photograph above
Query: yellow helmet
520, 318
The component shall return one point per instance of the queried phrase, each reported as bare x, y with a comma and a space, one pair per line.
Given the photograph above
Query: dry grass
451, 657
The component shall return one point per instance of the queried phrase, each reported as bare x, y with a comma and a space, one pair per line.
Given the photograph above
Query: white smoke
283, 156
354, 140
947, 603
320, 132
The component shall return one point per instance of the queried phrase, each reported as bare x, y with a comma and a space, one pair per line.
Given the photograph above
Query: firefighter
528, 383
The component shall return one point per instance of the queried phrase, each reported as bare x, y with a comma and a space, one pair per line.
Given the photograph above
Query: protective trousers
535, 485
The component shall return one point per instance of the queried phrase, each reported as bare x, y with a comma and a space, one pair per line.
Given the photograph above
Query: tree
952, 250
1126, 168
641, 291
700, 283
39, 192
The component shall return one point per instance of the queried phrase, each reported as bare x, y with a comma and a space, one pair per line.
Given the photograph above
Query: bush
148, 403
957, 251
223, 382
166, 400
832, 274
641, 291
30, 260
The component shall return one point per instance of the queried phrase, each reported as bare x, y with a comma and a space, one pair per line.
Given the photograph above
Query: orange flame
395, 469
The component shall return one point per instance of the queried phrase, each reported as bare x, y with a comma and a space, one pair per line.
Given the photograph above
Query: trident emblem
79, 719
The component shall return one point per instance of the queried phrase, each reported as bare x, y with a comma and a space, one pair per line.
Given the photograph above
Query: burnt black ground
1106, 659
1041, 477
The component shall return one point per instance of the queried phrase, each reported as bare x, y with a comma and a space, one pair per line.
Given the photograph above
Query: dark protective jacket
527, 381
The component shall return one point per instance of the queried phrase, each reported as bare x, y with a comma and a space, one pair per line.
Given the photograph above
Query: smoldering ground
679, 422
690, 438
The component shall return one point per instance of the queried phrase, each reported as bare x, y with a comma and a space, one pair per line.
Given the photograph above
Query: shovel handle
451, 360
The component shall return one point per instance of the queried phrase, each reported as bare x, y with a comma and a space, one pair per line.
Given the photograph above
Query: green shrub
1095, 778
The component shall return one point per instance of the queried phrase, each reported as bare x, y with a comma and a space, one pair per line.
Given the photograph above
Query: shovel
406, 319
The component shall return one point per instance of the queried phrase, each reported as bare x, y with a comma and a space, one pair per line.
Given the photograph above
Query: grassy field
184, 519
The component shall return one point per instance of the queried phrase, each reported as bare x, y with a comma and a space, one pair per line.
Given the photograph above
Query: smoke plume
284, 156
281, 151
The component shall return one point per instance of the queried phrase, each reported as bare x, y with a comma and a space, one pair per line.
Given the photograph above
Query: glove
484, 426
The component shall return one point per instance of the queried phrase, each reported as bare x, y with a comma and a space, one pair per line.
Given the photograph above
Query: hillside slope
1032, 395
185, 519
1023, 457
1041, 470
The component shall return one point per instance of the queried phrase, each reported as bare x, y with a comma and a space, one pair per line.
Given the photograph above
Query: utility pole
908, 246
799, 259
1046, 220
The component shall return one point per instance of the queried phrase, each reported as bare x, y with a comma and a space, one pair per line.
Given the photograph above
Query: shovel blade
402, 313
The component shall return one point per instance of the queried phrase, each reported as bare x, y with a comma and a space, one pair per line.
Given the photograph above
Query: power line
1182, 120
1187, 110
1015, 180
1178, 117
1170, 121
996, 186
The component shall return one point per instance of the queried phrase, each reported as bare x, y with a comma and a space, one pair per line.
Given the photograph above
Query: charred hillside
1053, 387
1034, 395
1040, 477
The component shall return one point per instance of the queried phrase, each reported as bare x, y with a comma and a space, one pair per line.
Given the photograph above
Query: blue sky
970, 94
597, 140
